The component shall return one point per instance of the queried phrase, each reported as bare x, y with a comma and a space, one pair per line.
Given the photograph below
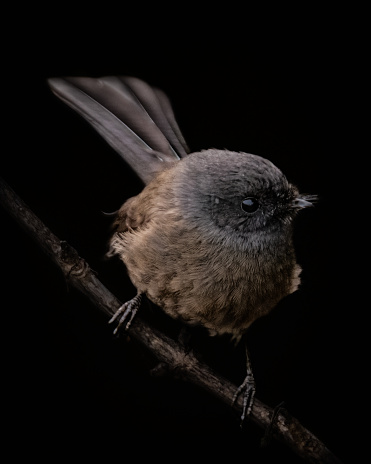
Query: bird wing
136, 119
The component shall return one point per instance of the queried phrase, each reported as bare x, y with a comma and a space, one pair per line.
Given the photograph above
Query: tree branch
286, 428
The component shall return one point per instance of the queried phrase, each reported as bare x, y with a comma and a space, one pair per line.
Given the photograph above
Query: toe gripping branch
248, 389
126, 312
125, 315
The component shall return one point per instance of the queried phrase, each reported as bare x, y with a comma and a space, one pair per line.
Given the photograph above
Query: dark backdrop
70, 385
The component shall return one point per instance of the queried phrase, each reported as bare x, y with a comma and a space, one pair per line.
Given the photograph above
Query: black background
71, 387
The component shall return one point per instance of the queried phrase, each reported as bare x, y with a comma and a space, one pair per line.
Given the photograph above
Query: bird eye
250, 205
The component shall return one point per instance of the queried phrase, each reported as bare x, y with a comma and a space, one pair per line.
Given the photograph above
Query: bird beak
304, 201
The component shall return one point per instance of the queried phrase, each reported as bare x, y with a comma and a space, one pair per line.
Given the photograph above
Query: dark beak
304, 201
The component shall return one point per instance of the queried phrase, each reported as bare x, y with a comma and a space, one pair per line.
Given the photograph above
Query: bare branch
286, 428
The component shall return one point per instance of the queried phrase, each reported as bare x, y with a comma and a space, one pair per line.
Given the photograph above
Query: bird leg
248, 389
127, 310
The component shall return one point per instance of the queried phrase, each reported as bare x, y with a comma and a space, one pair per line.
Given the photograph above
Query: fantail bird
209, 238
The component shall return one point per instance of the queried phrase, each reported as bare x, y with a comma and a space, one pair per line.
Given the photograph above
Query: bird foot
126, 312
247, 388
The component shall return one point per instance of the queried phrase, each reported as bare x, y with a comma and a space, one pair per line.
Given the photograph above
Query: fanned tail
136, 119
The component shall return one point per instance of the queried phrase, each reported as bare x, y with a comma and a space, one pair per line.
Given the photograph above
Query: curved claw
247, 387
128, 309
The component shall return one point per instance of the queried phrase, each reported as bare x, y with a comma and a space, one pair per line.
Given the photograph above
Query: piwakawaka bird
210, 237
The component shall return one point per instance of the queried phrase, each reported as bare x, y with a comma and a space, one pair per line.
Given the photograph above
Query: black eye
250, 204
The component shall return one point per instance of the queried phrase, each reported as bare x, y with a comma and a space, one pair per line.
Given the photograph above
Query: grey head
238, 192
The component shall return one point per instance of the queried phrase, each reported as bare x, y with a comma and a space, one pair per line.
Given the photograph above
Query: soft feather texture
188, 240
194, 257
134, 118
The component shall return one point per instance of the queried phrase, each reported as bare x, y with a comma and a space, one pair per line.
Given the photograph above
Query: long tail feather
134, 118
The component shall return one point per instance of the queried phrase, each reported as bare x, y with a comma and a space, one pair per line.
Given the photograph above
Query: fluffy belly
206, 285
